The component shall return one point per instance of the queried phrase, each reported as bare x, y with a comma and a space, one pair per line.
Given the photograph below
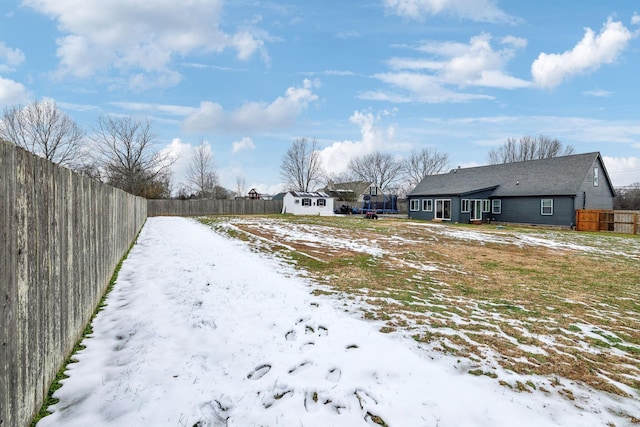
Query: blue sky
249, 77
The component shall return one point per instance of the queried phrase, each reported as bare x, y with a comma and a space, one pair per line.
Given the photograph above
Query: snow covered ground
201, 331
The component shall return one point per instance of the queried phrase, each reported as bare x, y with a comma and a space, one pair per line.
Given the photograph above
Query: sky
249, 77
188, 339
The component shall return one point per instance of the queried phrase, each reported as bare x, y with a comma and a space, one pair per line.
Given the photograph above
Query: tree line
301, 167
121, 151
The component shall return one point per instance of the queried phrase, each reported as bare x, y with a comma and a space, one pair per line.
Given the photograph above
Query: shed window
486, 205
546, 206
414, 205
306, 202
322, 202
595, 177
427, 205
465, 206
443, 209
496, 206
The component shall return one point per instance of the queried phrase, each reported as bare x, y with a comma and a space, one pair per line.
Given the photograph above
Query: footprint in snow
259, 372
291, 335
299, 367
334, 375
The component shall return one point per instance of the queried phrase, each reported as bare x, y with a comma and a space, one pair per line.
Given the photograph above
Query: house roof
356, 187
310, 194
553, 176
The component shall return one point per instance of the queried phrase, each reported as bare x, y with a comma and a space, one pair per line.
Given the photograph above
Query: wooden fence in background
608, 220
203, 207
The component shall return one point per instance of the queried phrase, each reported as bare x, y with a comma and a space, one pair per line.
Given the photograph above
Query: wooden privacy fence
61, 237
608, 220
212, 207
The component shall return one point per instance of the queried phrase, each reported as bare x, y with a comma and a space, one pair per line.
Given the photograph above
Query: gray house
545, 192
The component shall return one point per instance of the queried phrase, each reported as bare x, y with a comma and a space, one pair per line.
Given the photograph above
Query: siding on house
521, 186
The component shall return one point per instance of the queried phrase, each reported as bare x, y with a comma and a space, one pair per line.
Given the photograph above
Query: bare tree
381, 169
127, 155
43, 129
627, 197
201, 174
528, 148
301, 166
241, 187
423, 162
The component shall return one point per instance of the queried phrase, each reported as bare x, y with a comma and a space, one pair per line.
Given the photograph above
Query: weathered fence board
62, 236
176, 207
608, 220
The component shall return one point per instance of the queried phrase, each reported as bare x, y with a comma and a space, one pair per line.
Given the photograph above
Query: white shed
307, 203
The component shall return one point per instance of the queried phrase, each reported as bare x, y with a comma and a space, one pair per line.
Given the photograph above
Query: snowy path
200, 331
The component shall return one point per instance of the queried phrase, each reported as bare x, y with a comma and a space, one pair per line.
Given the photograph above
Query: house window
322, 202
465, 206
443, 209
486, 205
373, 190
595, 177
306, 202
427, 205
496, 206
296, 201
414, 205
546, 206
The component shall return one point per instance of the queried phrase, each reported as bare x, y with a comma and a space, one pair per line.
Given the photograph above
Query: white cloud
335, 158
12, 92
10, 58
474, 10
635, 19
141, 37
244, 144
549, 70
182, 152
598, 93
623, 171
450, 66
253, 116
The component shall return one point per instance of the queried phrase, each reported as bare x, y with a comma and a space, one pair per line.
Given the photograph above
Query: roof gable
555, 176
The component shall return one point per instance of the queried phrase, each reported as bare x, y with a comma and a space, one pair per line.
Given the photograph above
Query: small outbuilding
307, 203
544, 192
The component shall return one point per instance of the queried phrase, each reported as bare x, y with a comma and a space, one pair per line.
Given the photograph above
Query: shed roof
310, 194
553, 176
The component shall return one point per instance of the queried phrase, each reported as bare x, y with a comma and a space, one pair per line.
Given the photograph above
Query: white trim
429, 205
442, 202
542, 207
496, 206
414, 205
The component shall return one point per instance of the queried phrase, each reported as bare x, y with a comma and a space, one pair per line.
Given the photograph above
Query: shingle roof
554, 176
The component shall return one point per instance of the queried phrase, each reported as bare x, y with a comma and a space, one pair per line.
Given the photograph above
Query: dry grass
556, 312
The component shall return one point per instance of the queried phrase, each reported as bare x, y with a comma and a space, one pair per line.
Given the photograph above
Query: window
322, 202
595, 177
427, 205
465, 205
373, 190
546, 206
496, 206
486, 205
443, 209
414, 205
306, 202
